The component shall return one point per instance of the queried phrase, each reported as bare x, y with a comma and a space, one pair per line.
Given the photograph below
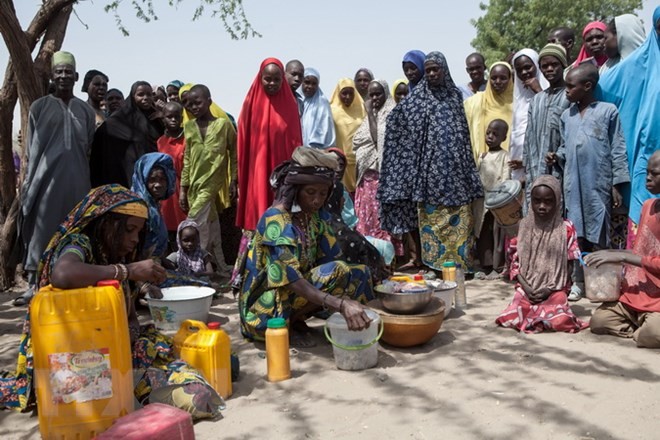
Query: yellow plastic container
82, 360
278, 363
417, 279
208, 350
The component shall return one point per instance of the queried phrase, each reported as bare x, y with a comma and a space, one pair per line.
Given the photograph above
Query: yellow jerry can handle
189, 324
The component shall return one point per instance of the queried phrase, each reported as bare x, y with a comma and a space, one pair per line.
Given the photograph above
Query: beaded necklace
307, 230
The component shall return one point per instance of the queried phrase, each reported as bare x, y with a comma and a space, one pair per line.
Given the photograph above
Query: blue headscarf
318, 127
175, 83
633, 86
416, 57
156, 237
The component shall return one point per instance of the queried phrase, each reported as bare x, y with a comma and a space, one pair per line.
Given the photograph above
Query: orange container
208, 349
277, 350
82, 360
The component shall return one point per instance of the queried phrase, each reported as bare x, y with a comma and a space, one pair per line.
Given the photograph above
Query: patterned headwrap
193, 263
98, 202
176, 84
308, 166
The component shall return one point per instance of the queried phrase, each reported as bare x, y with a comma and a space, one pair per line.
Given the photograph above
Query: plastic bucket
179, 304
602, 283
354, 350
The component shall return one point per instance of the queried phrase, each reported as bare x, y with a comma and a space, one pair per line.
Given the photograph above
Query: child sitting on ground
191, 259
493, 169
594, 162
542, 251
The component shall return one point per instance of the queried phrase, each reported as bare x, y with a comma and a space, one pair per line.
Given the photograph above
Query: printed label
80, 377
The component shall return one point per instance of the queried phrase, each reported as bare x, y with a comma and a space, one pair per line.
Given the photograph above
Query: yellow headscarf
396, 84
483, 107
224, 200
347, 121
135, 209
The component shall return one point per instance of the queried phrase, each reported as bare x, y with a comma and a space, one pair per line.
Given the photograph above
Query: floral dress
280, 254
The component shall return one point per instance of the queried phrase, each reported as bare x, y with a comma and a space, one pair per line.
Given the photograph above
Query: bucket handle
581, 259
354, 347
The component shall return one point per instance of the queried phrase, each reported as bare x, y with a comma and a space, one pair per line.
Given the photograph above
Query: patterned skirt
336, 278
553, 314
446, 235
367, 207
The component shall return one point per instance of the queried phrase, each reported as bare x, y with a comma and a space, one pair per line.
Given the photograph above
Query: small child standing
190, 259
542, 251
173, 143
594, 162
208, 141
493, 169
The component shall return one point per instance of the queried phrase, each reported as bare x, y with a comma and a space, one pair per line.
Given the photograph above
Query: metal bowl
405, 303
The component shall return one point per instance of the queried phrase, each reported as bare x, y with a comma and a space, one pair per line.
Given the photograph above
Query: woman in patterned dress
293, 267
101, 239
428, 178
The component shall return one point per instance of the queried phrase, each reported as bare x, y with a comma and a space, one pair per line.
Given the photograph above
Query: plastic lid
418, 277
276, 323
449, 264
502, 194
213, 325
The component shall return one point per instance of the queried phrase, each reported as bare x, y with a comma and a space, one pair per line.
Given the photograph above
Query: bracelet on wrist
341, 303
116, 275
124, 272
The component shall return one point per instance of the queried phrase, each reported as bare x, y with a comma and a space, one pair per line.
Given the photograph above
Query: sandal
25, 298
493, 276
411, 265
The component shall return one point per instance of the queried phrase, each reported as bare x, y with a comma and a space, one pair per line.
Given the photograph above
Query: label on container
80, 377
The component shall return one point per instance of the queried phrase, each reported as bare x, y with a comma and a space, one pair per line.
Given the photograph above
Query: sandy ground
473, 380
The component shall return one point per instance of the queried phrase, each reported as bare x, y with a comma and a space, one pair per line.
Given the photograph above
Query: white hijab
522, 97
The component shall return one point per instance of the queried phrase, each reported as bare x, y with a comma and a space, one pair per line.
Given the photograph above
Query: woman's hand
146, 270
354, 314
551, 159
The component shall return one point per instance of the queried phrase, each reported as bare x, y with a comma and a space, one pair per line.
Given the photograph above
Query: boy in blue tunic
594, 162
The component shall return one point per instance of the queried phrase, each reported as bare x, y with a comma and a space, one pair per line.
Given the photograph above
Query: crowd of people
332, 195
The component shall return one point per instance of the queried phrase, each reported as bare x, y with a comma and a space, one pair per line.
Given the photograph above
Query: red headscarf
600, 60
268, 132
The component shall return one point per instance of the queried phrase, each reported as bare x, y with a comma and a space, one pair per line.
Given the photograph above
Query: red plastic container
154, 421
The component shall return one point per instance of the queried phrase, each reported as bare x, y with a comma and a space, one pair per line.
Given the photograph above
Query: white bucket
445, 290
354, 350
179, 304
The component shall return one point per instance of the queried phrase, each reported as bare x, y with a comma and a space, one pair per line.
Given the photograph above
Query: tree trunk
26, 80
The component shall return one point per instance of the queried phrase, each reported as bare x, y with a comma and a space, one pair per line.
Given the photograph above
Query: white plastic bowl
445, 290
179, 304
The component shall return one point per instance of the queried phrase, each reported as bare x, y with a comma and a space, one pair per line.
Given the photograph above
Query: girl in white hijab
528, 81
